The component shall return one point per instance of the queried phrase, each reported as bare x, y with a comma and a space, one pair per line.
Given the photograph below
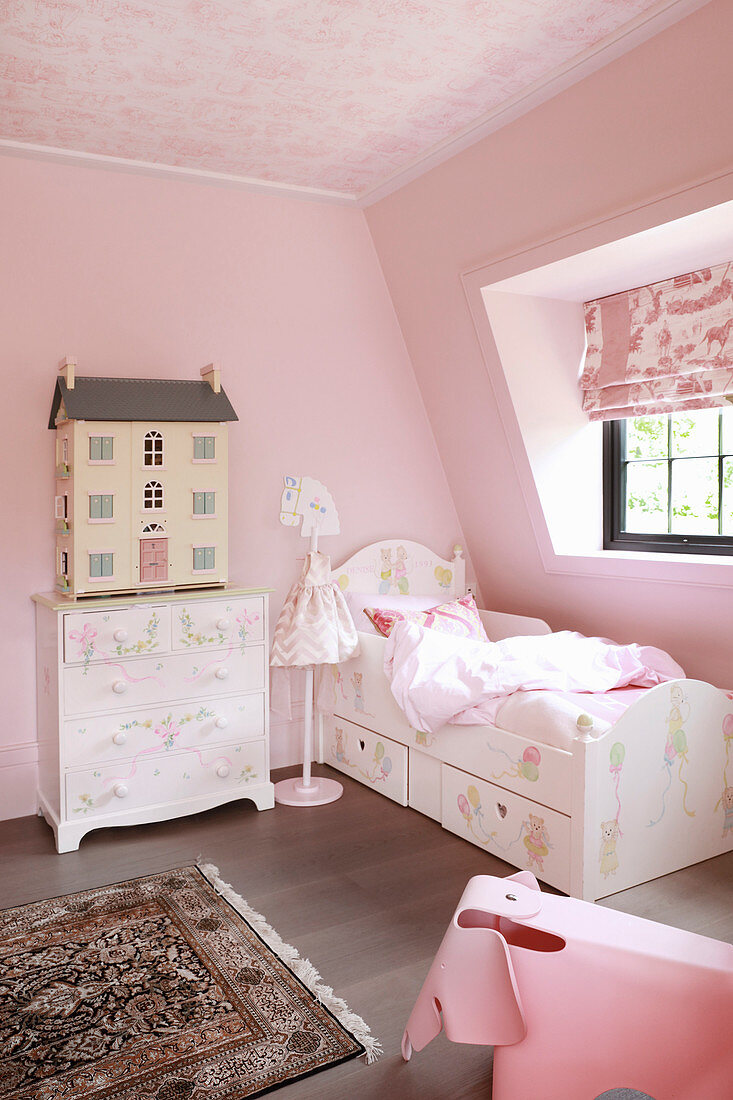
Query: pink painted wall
140, 276
651, 123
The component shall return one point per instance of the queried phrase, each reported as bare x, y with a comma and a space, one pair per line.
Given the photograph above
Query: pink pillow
460, 618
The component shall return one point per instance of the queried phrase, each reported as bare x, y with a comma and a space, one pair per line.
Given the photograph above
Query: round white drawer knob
119, 687
221, 673
223, 624
120, 635
120, 790
221, 722
120, 738
222, 771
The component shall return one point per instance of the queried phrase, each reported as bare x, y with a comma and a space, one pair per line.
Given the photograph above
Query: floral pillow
460, 617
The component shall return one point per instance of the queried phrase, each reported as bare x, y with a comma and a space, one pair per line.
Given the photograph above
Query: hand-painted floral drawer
147, 781
375, 761
230, 623
121, 685
517, 830
115, 634
166, 727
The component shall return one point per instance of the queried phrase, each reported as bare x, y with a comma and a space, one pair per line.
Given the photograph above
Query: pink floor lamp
314, 626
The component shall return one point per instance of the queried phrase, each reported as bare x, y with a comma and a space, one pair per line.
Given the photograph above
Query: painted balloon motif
464, 807
386, 765
618, 752
529, 764
728, 727
473, 797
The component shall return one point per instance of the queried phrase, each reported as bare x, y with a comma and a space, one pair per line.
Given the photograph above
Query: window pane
209, 507
209, 557
95, 506
198, 446
107, 506
95, 447
728, 497
95, 565
695, 496
106, 565
646, 497
646, 437
209, 446
198, 504
198, 558
695, 433
107, 442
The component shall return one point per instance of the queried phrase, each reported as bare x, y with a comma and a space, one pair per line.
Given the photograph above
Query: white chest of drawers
150, 708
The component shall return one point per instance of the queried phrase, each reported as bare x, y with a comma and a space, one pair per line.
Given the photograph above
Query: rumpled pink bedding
437, 678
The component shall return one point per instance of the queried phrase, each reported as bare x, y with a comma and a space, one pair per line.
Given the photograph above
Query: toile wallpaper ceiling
328, 94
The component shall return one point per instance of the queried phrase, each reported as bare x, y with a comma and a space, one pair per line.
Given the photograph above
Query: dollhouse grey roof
140, 399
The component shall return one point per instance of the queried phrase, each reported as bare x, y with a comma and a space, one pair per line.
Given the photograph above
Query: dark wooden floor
364, 888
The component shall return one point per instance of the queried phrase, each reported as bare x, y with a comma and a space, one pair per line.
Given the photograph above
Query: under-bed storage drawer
373, 760
515, 829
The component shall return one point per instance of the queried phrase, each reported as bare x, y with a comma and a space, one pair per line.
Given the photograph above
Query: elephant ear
525, 877
488, 1009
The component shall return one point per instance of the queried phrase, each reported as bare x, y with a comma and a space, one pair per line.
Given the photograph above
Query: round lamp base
293, 792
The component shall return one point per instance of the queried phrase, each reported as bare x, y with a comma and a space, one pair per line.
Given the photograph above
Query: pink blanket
437, 678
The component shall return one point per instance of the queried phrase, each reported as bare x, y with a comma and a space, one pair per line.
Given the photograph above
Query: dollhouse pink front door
153, 559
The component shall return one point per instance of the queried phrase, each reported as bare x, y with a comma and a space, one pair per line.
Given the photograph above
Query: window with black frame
668, 483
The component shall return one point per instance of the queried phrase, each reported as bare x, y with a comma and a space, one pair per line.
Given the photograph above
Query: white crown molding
171, 171
664, 14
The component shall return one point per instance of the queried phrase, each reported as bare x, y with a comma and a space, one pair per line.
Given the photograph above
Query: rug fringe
302, 968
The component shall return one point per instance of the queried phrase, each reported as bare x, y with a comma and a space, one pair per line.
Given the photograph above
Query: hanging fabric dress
315, 626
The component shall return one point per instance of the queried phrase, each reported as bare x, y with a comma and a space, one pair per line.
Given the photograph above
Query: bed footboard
658, 789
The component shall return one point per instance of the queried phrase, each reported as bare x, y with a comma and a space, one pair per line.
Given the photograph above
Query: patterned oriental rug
167, 987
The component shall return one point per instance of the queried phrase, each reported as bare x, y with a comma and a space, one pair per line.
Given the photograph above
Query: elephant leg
423, 1025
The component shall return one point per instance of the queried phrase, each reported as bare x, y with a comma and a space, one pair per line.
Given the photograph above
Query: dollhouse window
101, 506
204, 558
100, 448
101, 565
65, 450
204, 504
204, 448
63, 562
153, 449
153, 529
153, 495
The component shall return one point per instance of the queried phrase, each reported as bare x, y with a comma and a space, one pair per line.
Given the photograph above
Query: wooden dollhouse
141, 482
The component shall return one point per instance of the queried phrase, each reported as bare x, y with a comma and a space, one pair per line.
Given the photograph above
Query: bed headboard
398, 566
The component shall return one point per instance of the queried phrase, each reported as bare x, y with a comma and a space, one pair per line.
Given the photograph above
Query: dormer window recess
659, 371
153, 449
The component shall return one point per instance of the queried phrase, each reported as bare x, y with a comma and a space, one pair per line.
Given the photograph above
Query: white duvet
437, 678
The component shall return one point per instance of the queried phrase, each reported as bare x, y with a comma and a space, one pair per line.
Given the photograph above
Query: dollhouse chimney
67, 367
212, 375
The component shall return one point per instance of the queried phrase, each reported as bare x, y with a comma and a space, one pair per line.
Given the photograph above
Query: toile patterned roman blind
662, 348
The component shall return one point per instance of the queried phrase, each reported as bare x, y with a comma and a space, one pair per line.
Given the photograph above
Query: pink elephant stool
580, 1002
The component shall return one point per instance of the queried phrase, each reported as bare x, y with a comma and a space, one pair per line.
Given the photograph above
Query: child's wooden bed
647, 797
